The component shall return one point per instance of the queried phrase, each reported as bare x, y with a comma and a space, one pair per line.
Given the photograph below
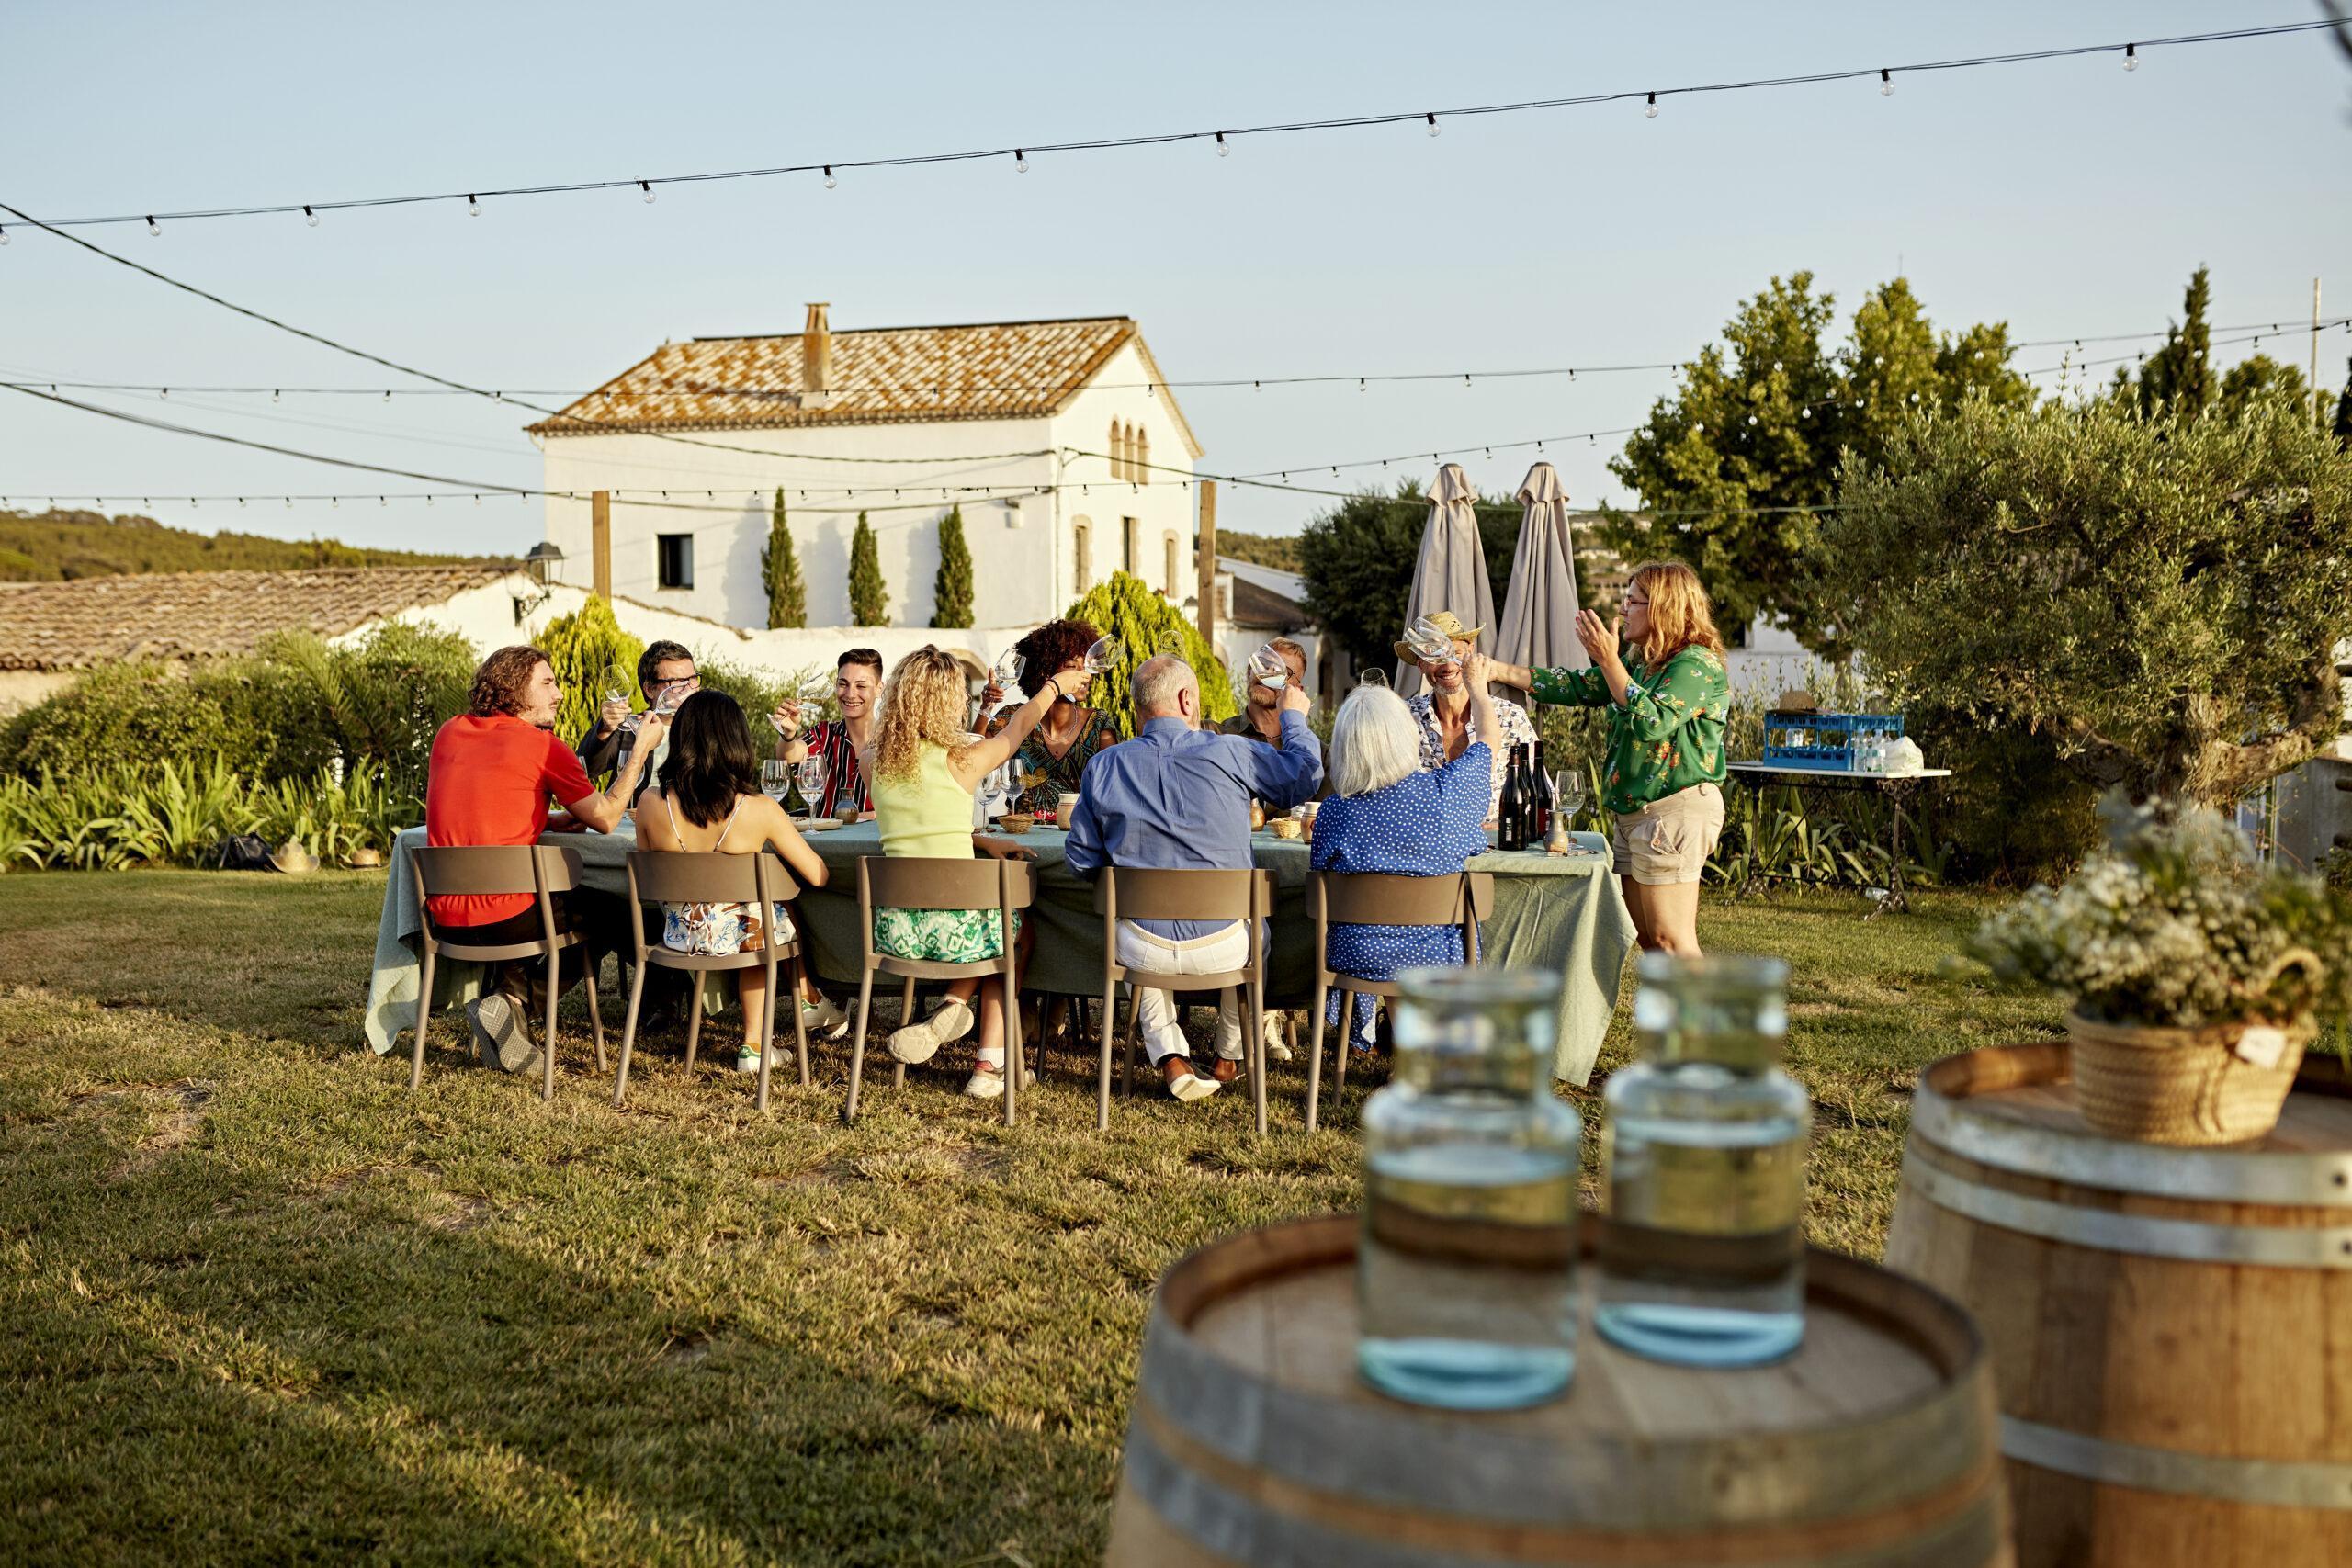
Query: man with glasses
665, 673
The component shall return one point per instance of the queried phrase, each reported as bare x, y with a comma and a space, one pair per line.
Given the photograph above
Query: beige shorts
1669, 841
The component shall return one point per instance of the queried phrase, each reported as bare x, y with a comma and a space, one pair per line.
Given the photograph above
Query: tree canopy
1127, 608
952, 587
780, 571
869, 601
1357, 560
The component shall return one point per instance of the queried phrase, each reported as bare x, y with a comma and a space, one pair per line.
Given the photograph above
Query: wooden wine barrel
2171, 1328
1252, 1441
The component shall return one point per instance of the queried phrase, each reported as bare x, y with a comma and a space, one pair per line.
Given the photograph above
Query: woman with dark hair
1057, 752
709, 802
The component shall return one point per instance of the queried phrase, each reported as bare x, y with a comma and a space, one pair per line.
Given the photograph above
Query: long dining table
1563, 913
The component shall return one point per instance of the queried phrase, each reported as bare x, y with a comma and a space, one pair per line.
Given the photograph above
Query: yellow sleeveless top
929, 814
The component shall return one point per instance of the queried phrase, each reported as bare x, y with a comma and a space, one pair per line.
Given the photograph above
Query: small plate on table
815, 824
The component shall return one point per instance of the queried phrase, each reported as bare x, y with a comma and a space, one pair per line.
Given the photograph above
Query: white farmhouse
1060, 440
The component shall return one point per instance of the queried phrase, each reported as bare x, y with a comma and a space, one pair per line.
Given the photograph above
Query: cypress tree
2179, 376
869, 601
952, 591
780, 572
2343, 428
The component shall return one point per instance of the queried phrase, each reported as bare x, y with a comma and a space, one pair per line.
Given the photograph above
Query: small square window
676, 560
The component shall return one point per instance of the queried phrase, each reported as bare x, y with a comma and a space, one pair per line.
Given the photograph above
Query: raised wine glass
1373, 676
1267, 667
1170, 644
1008, 671
1105, 655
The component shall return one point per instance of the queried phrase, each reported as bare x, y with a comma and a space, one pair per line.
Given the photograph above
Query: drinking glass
1567, 792
817, 687
670, 697
1009, 668
1268, 667
1428, 643
776, 779
812, 781
1373, 676
1169, 645
1105, 655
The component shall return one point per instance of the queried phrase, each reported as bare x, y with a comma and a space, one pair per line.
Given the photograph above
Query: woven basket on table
2179, 1086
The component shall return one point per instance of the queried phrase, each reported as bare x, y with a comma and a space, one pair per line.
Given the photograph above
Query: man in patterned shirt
857, 682
1442, 712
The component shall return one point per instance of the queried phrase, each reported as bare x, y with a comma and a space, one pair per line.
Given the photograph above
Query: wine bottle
1542, 780
1511, 824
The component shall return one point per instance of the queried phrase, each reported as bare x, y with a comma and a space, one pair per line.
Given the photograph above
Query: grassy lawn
264, 1303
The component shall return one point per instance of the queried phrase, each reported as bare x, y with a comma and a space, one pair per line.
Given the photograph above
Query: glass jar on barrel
1702, 1254
1465, 1283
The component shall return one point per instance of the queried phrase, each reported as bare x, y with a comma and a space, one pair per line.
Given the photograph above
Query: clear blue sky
2064, 198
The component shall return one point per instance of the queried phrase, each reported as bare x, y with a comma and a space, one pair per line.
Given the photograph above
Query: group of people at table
1406, 789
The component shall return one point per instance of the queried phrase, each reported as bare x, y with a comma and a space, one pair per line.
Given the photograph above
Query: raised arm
1284, 775
1477, 670
603, 809
992, 753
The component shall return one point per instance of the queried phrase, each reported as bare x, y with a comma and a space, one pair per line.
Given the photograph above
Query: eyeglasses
1633, 603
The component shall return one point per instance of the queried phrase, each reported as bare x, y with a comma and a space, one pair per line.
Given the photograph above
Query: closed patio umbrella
1451, 573
1539, 624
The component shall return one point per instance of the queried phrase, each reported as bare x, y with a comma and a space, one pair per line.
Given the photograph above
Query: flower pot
2183, 1086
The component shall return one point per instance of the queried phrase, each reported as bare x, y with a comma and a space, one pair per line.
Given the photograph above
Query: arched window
1118, 450
1141, 453
1173, 589
1081, 567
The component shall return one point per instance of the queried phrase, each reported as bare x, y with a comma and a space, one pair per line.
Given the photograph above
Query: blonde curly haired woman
1660, 673
924, 768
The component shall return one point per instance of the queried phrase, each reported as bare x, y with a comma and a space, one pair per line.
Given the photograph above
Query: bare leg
1674, 919
1637, 905
751, 986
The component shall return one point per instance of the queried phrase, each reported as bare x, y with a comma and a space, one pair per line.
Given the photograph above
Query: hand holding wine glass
1105, 655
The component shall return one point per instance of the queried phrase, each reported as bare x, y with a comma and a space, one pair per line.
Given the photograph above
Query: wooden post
600, 541
1205, 559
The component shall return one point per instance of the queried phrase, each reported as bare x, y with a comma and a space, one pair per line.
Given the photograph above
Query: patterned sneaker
499, 1039
917, 1043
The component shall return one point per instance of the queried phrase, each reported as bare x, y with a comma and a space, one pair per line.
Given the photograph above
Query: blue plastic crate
1823, 742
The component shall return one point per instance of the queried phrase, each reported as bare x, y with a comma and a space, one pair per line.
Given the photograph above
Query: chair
922, 883
1368, 899
1213, 896
509, 868
761, 881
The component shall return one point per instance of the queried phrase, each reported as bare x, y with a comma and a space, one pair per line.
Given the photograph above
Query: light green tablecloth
1561, 913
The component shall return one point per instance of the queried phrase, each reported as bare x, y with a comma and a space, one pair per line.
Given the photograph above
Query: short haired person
1387, 814
1442, 711
663, 667
1660, 673
838, 742
493, 769
925, 767
1177, 798
1072, 735
707, 801
1261, 717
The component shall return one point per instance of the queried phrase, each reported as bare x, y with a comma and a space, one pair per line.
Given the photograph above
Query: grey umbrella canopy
1452, 571
1539, 624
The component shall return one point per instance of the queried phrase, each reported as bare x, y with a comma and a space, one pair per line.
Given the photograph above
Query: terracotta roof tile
199, 615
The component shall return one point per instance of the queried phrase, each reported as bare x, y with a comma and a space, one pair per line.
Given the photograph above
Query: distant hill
51, 546
1277, 550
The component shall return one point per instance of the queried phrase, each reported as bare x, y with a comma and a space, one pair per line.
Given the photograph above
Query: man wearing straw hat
1442, 710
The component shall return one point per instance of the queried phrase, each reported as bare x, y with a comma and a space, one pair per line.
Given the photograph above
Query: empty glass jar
1465, 1280
1703, 1255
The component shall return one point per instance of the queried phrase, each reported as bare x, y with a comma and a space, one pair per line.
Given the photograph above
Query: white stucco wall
1162, 503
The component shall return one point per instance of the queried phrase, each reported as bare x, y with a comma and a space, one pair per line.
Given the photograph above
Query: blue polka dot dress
1426, 824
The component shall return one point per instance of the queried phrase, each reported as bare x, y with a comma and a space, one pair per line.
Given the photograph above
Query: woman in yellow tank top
923, 771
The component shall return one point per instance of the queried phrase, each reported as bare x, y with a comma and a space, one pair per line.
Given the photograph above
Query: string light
1651, 112
311, 218
473, 206
830, 181
154, 229
1020, 162
2131, 57
1886, 85
648, 189
1223, 151
1432, 119
3, 235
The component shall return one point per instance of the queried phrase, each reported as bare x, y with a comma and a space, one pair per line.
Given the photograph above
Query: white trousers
1163, 1036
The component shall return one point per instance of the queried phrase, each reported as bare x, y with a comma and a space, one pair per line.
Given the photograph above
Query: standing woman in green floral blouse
1667, 694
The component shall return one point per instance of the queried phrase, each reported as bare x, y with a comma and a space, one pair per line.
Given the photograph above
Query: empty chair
502, 869
761, 881
917, 882
1372, 899
1208, 896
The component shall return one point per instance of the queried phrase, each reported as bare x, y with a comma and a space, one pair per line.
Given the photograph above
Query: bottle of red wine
1541, 782
1511, 820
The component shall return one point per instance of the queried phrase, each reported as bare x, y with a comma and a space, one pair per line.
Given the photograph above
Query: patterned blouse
1668, 735
1062, 773
844, 784
1510, 717
1426, 824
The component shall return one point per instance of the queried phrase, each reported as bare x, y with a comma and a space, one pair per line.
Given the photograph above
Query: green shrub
177, 812
1127, 608
590, 655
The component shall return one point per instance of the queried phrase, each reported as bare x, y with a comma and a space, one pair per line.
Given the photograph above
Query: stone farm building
1042, 431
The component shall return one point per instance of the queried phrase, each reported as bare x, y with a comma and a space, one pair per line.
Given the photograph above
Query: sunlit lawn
261, 1302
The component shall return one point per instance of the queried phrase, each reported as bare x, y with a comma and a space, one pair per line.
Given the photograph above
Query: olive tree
2160, 599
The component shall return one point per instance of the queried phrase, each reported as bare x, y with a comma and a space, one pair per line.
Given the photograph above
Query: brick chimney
816, 359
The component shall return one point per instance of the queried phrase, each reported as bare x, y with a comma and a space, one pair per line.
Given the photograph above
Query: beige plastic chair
681, 877
516, 868
1211, 895
924, 882
1366, 898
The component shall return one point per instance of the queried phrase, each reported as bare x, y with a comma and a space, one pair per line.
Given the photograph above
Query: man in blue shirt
1177, 798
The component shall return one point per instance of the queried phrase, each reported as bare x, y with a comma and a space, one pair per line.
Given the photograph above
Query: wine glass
812, 781
1429, 645
776, 779
1007, 674
1267, 667
1105, 655
1374, 676
1568, 793
1169, 645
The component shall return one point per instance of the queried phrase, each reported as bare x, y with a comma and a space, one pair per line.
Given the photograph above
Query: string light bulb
830, 181
648, 189
1432, 119
1020, 162
473, 206
1651, 112
1886, 85
309, 216
154, 229
2131, 57
273, 394
1223, 151
4, 236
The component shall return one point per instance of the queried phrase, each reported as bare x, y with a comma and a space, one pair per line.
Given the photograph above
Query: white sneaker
917, 1043
747, 1061
824, 1018
1193, 1087
984, 1085
1277, 1047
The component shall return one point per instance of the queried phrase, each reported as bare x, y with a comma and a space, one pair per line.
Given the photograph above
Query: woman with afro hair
1057, 752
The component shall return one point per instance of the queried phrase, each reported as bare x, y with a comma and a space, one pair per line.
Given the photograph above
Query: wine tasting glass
1009, 668
812, 781
1105, 655
1267, 667
670, 697
1374, 676
1428, 643
1567, 792
1168, 645
776, 779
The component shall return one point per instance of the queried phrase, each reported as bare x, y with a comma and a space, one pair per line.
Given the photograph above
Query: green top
1667, 735
929, 814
